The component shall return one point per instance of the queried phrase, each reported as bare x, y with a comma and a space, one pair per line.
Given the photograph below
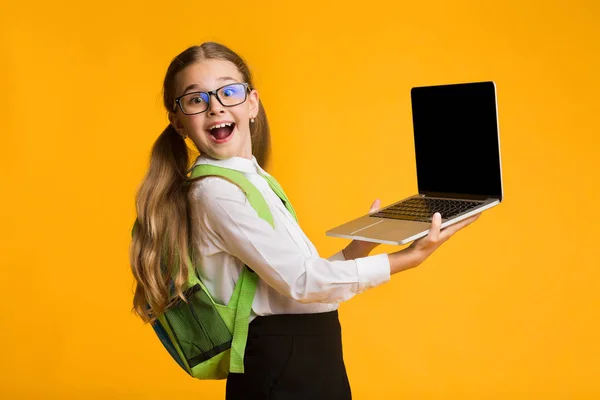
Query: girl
294, 348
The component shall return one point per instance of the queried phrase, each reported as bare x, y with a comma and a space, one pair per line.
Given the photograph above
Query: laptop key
422, 209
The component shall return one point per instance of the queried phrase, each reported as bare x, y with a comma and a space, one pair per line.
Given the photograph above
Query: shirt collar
236, 163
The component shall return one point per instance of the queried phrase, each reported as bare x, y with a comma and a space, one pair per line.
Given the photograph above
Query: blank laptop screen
456, 139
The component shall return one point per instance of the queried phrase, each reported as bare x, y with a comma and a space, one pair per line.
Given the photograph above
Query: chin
223, 154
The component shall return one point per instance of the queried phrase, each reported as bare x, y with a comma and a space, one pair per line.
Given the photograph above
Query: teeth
223, 125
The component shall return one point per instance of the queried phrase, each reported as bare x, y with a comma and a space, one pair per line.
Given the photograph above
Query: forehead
207, 74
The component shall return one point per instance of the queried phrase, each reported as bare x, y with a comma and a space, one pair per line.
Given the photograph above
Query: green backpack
205, 338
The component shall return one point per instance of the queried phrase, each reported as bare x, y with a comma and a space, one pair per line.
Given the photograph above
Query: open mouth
222, 132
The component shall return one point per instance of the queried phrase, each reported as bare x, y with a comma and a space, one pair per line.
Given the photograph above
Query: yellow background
508, 309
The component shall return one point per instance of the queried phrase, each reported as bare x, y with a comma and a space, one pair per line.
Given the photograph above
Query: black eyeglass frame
214, 93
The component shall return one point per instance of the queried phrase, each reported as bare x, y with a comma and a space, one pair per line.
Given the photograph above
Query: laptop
457, 153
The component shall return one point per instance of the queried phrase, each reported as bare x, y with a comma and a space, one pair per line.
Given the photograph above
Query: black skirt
292, 357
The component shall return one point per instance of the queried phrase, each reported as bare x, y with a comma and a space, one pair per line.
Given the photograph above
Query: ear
253, 103
176, 122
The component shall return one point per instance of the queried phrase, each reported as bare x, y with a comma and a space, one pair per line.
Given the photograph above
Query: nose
214, 105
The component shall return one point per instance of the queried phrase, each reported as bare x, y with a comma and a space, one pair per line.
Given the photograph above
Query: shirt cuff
372, 271
339, 256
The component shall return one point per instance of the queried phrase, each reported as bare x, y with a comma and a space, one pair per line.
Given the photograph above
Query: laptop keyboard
422, 209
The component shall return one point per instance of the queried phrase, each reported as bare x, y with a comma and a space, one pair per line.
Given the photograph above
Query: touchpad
394, 230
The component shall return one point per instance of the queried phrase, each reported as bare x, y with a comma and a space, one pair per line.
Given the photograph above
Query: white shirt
293, 277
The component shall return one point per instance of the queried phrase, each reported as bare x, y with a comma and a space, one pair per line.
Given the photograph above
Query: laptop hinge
447, 195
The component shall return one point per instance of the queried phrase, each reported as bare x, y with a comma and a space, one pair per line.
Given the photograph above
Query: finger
436, 222
468, 221
375, 206
452, 229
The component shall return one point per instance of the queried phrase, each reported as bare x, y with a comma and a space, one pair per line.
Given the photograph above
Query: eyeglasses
198, 102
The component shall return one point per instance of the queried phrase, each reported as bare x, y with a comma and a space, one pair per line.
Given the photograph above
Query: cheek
195, 124
243, 115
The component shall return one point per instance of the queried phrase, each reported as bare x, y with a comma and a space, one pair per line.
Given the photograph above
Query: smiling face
220, 132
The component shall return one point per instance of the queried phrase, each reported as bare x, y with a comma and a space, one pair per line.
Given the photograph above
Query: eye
195, 99
233, 90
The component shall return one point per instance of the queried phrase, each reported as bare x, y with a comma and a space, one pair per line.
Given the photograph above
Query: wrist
358, 249
349, 251
406, 259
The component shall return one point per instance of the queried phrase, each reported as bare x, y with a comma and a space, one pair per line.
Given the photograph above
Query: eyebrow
195, 86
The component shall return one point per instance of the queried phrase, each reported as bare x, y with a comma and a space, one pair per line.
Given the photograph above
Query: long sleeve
228, 217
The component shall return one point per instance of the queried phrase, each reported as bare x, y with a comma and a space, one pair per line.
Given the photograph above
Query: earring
252, 120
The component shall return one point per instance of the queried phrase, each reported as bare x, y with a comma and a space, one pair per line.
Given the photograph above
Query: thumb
375, 206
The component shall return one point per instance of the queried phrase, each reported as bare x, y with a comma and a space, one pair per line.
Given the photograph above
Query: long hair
159, 253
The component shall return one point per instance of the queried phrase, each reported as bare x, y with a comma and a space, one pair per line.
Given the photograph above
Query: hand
360, 248
436, 237
422, 248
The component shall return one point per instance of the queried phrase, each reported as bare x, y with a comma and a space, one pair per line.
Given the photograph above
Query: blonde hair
159, 253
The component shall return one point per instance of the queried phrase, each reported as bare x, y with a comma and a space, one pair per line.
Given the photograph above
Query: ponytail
159, 253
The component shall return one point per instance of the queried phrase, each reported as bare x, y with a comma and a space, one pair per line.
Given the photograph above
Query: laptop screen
456, 139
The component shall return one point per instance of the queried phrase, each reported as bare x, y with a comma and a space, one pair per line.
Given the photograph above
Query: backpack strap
256, 199
245, 287
280, 193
